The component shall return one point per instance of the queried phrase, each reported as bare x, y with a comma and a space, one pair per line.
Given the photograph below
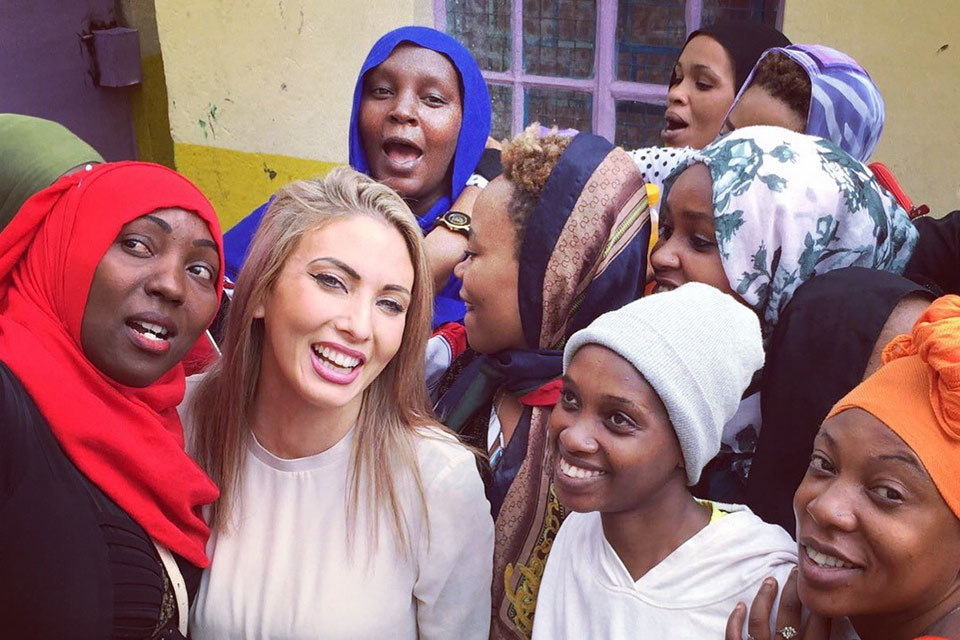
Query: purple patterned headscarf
845, 105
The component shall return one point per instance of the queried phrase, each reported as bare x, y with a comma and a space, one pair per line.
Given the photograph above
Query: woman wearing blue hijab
406, 131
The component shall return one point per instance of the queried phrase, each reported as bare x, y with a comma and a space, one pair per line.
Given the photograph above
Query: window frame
604, 87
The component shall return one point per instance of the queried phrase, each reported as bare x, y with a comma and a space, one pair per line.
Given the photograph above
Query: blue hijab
474, 129
475, 123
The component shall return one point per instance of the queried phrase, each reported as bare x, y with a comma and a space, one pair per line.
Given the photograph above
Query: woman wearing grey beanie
646, 391
757, 214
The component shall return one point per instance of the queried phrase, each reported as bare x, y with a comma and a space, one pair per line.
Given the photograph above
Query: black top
936, 258
816, 355
73, 564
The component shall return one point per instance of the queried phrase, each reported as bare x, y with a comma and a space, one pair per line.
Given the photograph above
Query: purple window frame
604, 86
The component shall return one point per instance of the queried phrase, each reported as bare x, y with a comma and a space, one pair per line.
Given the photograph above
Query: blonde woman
346, 510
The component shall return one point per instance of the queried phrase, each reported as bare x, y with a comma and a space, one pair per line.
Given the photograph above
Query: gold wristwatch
455, 221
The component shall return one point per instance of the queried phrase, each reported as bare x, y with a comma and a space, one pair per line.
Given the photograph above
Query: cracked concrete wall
260, 91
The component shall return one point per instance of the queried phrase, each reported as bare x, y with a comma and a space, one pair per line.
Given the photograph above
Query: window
594, 65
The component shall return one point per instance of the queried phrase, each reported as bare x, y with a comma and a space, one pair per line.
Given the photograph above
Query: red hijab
128, 441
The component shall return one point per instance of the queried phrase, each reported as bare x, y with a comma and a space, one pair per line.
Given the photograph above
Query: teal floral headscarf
789, 206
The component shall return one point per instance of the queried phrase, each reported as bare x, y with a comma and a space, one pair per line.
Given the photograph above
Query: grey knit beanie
697, 347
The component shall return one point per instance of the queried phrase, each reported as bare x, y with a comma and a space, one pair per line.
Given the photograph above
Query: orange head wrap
916, 393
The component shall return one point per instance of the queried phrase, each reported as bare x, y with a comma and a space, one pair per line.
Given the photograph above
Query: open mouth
661, 286
149, 330
402, 153
827, 561
151, 333
580, 473
675, 123
337, 361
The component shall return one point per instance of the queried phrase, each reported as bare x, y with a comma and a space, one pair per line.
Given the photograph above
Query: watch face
458, 219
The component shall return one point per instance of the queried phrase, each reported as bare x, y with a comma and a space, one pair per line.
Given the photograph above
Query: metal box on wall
117, 55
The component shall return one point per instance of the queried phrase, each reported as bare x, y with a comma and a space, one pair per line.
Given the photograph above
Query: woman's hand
444, 249
789, 623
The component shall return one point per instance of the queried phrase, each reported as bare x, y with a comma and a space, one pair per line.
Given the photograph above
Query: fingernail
769, 582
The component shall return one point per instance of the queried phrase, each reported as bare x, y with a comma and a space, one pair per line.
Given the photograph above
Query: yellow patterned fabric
596, 207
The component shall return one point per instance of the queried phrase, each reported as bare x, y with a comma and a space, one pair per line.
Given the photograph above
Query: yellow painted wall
148, 100
901, 44
260, 91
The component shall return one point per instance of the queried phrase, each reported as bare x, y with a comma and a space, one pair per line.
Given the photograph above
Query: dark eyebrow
826, 436
905, 458
166, 228
698, 215
618, 400
703, 67
203, 242
350, 271
396, 287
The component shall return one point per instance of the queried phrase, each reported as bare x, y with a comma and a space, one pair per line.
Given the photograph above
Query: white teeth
151, 331
336, 357
578, 472
824, 560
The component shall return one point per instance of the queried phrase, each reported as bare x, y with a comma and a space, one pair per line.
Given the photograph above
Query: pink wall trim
516, 30
440, 15
604, 86
604, 70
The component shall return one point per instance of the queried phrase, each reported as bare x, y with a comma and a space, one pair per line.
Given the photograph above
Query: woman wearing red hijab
107, 278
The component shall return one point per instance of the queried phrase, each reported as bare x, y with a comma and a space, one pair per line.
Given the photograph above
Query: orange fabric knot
936, 339
899, 347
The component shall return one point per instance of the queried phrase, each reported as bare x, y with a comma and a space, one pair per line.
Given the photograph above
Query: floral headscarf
789, 206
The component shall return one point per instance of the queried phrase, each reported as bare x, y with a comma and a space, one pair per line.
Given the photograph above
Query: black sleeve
489, 166
936, 258
817, 353
17, 410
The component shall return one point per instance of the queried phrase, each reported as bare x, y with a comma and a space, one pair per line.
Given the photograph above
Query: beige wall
260, 92
148, 100
901, 44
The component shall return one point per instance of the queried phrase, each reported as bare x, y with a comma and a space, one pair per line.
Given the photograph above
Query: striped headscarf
845, 105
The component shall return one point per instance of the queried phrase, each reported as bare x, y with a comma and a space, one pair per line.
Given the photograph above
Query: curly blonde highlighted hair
528, 160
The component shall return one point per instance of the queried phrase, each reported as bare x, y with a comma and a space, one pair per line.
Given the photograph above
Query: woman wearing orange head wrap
878, 512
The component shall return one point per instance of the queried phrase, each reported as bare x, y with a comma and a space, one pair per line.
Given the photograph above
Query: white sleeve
656, 163
439, 357
456, 567
477, 180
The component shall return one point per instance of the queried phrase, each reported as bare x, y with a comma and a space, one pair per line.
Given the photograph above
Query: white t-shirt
284, 570
587, 591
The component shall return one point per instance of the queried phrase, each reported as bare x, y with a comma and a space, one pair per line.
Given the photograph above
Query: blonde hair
528, 160
394, 408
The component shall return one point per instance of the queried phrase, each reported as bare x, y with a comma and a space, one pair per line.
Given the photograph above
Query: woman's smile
574, 475
336, 363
